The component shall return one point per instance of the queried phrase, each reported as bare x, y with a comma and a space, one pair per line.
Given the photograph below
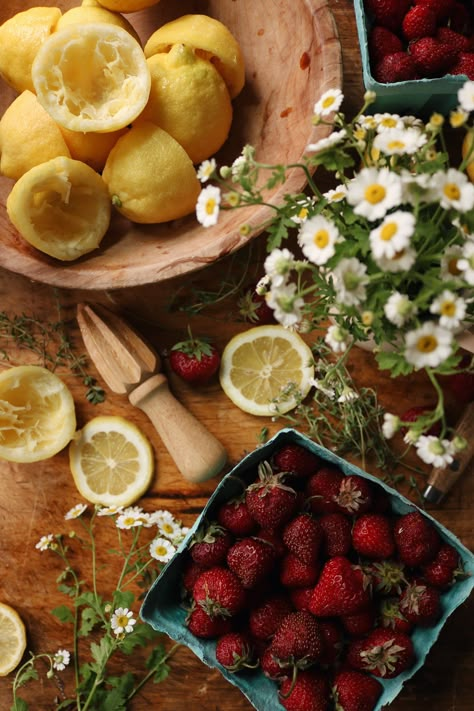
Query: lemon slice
258, 364
111, 461
37, 415
12, 639
91, 77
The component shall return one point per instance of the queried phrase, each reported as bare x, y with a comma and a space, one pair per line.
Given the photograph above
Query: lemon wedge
111, 461
12, 639
260, 364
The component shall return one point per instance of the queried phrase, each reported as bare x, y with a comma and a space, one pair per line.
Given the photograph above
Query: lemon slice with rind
37, 415
111, 461
12, 639
92, 77
258, 365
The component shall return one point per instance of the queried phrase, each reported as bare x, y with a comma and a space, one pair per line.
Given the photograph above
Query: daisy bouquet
385, 257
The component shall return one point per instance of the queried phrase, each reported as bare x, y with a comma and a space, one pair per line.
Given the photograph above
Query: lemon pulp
12, 639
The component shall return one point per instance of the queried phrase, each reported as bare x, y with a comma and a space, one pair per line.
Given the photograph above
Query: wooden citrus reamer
130, 366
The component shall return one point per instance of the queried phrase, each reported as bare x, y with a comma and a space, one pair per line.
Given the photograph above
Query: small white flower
61, 659
393, 234
161, 549
109, 510
347, 395
320, 385
75, 512
122, 621
367, 122
169, 528
350, 279
401, 261
466, 96
338, 338
208, 205
132, 517
452, 309
390, 425
317, 238
238, 168
263, 285
278, 265
449, 269
206, 170
466, 263
454, 190
45, 542
337, 194
428, 346
286, 304
395, 141
302, 211
387, 122
399, 309
332, 140
373, 192
330, 101
434, 450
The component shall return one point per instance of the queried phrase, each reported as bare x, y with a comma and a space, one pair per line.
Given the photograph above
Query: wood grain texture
292, 55
34, 498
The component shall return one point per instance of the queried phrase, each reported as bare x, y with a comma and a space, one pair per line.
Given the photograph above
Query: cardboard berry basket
421, 97
163, 610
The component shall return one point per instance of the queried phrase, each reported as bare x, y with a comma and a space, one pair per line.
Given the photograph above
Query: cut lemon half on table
12, 639
111, 461
37, 415
266, 369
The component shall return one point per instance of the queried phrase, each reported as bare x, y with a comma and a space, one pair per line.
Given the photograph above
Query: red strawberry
252, 560
275, 539
414, 413
382, 42
384, 652
443, 570
297, 460
416, 539
310, 692
333, 636
253, 307
388, 577
296, 574
270, 502
441, 8
355, 691
235, 652
322, 488
456, 39
372, 536
264, 619
388, 13
300, 597
235, 516
209, 545
465, 65
298, 641
191, 572
355, 494
432, 57
359, 623
219, 592
399, 66
303, 536
420, 603
340, 590
195, 360
337, 536
201, 625
391, 616
420, 21
270, 666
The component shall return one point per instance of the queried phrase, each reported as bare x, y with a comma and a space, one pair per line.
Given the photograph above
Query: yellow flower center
167, 528
122, 621
303, 213
389, 122
210, 206
452, 191
129, 521
321, 239
160, 550
453, 267
426, 344
448, 308
388, 231
328, 102
338, 195
375, 193
396, 145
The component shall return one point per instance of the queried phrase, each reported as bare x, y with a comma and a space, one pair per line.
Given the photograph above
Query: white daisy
393, 234
466, 96
206, 170
390, 425
332, 140
287, 306
450, 263
61, 659
374, 192
367, 122
338, 338
302, 208
399, 309
401, 261
434, 450
132, 517
466, 263
428, 346
317, 238
263, 285
45, 542
161, 549
109, 510
336, 194
350, 279
452, 309
387, 122
454, 190
75, 512
278, 265
416, 187
122, 621
330, 101
207, 206
395, 141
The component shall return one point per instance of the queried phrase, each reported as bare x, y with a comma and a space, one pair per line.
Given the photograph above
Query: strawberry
337, 536
388, 13
270, 502
355, 691
297, 460
443, 570
270, 666
274, 538
420, 21
372, 536
465, 65
416, 539
209, 545
391, 616
340, 590
191, 572
359, 623
441, 8
303, 536
456, 39
322, 488
252, 560
298, 641
420, 604
300, 597
200, 624
235, 516
399, 66
219, 592
382, 42
414, 413
234, 652
355, 494
194, 360
264, 619
383, 652
253, 307
432, 57
333, 636
310, 692
296, 574
388, 577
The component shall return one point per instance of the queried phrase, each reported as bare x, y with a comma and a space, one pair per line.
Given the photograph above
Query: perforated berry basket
163, 610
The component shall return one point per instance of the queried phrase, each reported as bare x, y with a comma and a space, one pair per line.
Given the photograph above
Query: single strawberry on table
195, 360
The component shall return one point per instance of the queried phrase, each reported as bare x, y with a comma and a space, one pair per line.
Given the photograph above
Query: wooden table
35, 497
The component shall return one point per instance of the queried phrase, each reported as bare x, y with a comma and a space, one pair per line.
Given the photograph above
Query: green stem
148, 676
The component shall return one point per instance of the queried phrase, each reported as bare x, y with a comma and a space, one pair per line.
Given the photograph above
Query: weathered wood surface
34, 498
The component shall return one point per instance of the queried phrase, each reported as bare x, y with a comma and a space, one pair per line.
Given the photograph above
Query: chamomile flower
206, 170
399, 309
367, 122
45, 542
435, 451
302, 210
458, 118
373, 192
122, 621
454, 190
133, 517
317, 239
449, 269
466, 263
337, 194
348, 394
350, 280
466, 96
208, 205
387, 122
323, 388
162, 549
390, 425
329, 102
428, 346
338, 338
396, 141
393, 234
109, 510
75, 512
278, 265
286, 304
332, 140
401, 261
61, 659
452, 309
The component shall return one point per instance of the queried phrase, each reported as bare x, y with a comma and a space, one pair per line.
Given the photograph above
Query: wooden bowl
292, 55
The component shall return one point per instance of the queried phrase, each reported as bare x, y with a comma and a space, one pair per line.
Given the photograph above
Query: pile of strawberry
312, 578
414, 39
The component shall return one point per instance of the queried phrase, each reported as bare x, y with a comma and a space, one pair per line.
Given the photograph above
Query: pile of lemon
102, 122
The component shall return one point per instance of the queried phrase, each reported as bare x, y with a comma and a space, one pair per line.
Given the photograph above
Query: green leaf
394, 362
67, 590
89, 619
123, 598
19, 705
161, 673
63, 613
141, 635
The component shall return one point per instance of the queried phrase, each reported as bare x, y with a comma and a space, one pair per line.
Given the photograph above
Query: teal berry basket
421, 97
163, 611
